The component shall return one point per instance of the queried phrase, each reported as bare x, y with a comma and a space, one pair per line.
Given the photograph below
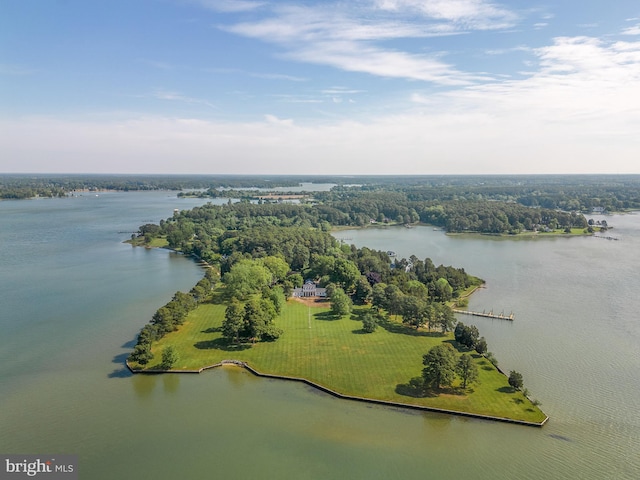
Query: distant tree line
404, 196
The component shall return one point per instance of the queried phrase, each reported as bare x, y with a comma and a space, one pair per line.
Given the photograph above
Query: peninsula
284, 298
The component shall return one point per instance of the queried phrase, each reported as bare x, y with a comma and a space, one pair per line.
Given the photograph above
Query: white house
309, 289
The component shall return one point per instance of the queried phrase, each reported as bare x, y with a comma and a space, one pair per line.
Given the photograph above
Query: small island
285, 299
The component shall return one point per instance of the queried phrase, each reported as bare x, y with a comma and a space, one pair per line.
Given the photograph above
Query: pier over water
499, 316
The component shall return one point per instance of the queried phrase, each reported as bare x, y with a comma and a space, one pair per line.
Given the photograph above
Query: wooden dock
499, 316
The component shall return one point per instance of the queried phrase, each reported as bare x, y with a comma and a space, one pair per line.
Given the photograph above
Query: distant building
309, 289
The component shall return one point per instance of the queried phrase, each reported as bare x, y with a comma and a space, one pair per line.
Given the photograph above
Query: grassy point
337, 354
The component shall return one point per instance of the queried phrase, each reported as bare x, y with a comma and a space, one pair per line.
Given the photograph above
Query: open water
73, 297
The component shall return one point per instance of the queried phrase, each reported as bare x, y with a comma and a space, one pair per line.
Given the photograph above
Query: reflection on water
144, 385
171, 382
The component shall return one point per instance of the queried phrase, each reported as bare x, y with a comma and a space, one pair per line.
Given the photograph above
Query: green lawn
336, 354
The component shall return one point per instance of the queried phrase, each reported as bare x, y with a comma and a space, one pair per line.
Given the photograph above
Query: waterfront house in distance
309, 289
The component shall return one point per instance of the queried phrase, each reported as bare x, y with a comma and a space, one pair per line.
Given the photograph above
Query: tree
233, 321
481, 346
245, 278
417, 289
141, 354
378, 296
467, 370
443, 290
369, 323
413, 311
466, 335
440, 364
345, 273
169, 358
277, 266
394, 299
296, 280
276, 296
515, 380
258, 314
443, 317
340, 303
363, 290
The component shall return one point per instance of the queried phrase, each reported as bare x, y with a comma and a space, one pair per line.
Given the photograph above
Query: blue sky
320, 87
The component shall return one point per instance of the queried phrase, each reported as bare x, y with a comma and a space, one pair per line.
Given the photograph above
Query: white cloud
341, 91
476, 14
273, 120
579, 112
502, 51
178, 97
349, 35
384, 63
229, 5
635, 30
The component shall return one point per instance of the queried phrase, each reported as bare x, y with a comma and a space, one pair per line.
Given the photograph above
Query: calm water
74, 297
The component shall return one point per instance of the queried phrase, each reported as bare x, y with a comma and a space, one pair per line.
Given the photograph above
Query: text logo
49, 467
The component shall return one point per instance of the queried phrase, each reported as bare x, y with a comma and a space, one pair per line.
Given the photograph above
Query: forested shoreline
265, 251
579, 193
482, 204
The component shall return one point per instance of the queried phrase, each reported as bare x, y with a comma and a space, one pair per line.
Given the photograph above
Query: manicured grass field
337, 354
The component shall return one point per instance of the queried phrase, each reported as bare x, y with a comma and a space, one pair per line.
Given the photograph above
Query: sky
320, 87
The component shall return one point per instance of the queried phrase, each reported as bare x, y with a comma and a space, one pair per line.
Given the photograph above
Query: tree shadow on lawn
360, 331
395, 327
326, 316
212, 330
462, 349
221, 344
359, 313
506, 390
417, 391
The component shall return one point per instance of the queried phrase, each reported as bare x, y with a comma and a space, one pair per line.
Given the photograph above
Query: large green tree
515, 380
443, 317
363, 290
233, 320
379, 296
340, 302
245, 278
466, 335
169, 358
369, 323
439, 366
467, 370
258, 316
345, 273
414, 311
141, 354
277, 266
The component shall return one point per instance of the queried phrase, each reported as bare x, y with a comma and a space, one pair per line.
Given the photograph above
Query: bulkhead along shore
238, 363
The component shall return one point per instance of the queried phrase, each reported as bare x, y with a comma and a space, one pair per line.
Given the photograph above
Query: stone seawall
374, 401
